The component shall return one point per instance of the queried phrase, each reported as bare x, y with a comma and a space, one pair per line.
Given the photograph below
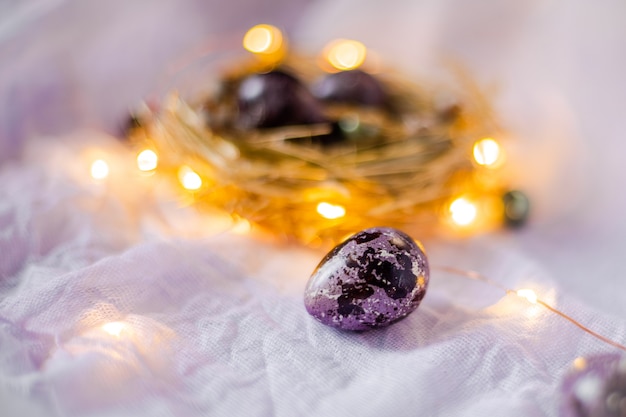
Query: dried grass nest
398, 165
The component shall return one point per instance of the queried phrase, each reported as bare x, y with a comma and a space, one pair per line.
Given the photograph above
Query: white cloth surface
207, 321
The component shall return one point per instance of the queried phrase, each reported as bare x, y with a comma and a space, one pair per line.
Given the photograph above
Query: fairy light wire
476, 276
582, 326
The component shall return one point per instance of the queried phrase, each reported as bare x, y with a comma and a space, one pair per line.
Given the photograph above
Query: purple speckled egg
373, 279
353, 87
595, 387
275, 99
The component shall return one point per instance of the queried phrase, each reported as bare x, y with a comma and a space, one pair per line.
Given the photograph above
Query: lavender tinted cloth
115, 301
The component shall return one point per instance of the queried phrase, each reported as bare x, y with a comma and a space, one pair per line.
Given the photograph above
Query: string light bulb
528, 295
330, 211
147, 160
241, 227
345, 54
487, 152
463, 212
580, 363
189, 179
263, 39
99, 169
114, 328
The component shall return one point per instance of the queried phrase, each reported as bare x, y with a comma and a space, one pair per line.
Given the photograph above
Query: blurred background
554, 68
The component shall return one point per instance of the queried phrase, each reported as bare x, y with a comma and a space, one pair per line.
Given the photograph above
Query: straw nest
395, 166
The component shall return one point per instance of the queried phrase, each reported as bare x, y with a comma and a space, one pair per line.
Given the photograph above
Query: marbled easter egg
351, 87
595, 387
276, 99
373, 279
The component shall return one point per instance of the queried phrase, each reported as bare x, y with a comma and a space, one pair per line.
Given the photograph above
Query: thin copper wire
480, 277
477, 276
583, 327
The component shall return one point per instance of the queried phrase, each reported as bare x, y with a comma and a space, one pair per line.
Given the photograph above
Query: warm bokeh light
99, 169
580, 363
345, 54
263, 39
487, 152
242, 227
463, 211
189, 179
114, 328
528, 295
147, 160
330, 211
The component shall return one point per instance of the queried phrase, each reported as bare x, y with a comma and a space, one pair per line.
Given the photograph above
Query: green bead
516, 208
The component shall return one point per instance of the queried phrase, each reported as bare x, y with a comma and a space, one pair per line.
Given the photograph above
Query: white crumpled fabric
116, 300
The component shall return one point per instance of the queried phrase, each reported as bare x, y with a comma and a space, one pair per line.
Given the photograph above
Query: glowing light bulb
487, 152
114, 328
242, 227
528, 295
189, 179
99, 169
463, 211
580, 363
345, 54
147, 160
263, 39
330, 211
